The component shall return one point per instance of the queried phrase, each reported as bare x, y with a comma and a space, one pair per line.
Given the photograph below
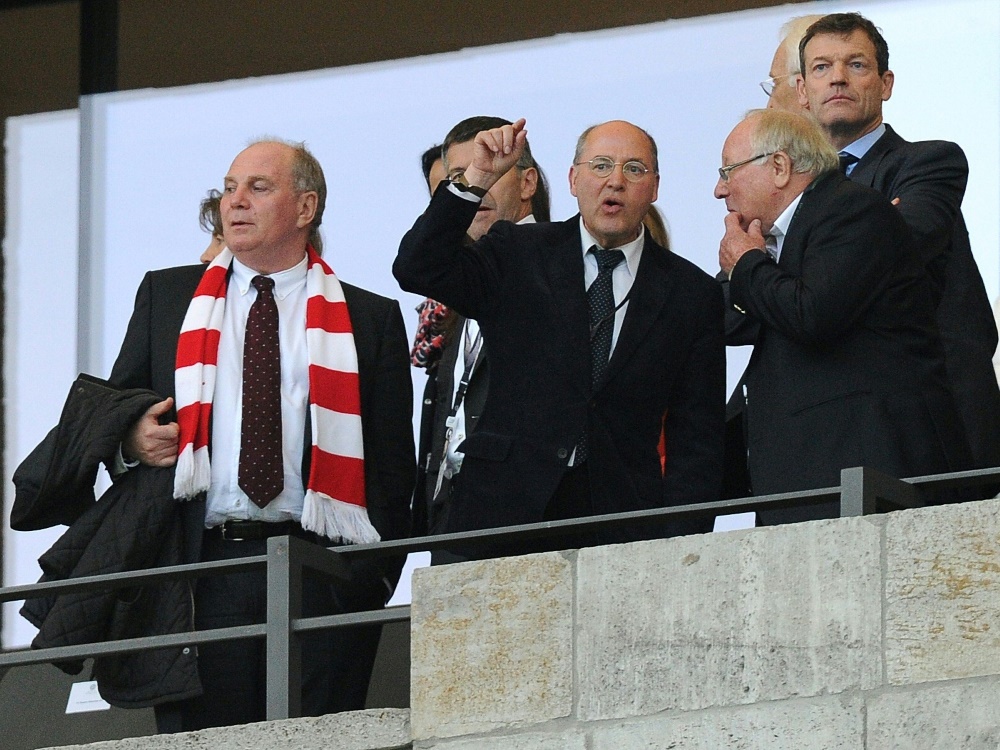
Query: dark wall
193, 41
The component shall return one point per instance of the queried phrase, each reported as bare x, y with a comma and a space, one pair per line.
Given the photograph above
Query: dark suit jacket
439, 394
929, 178
847, 368
149, 351
525, 286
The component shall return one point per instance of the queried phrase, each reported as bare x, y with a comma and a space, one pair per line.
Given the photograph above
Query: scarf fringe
193, 474
335, 519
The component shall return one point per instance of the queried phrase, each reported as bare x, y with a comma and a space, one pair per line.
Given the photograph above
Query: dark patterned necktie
261, 472
846, 160
601, 300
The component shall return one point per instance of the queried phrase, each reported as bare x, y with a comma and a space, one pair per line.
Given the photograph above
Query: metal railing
862, 491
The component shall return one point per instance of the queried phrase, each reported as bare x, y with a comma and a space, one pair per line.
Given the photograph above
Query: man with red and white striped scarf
286, 410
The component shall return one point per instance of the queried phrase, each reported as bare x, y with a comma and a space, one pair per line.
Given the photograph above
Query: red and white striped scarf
334, 504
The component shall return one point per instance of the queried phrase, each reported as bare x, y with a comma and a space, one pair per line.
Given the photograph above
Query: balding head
271, 204
785, 65
771, 156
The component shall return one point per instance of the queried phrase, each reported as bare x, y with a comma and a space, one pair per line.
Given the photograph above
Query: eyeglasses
724, 171
603, 166
770, 83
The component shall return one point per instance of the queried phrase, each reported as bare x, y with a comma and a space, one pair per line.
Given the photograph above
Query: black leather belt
244, 531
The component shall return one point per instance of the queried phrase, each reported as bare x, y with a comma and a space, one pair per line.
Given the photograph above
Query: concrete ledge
832, 723
556, 739
942, 593
375, 729
728, 619
951, 716
492, 645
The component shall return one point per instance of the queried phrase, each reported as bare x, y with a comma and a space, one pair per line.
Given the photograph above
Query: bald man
600, 340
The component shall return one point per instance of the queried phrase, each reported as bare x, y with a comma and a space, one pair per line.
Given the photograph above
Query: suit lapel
791, 260
446, 365
650, 291
563, 267
866, 171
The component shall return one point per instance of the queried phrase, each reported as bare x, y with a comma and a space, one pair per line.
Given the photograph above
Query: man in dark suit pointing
600, 341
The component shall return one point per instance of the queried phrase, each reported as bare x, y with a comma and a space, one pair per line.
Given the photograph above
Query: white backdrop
687, 82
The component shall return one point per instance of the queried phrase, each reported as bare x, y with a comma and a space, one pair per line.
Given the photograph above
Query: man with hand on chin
599, 341
847, 368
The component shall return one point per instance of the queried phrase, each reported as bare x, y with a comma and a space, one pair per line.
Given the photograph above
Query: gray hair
792, 32
797, 136
307, 177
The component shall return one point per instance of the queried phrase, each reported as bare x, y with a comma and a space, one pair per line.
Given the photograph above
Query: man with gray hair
286, 410
847, 368
781, 85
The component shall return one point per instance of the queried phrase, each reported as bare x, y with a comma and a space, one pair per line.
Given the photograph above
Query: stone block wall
852, 634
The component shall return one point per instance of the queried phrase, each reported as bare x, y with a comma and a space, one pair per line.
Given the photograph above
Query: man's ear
572, 181
888, 78
781, 169
529, 183
308, 202
800, 89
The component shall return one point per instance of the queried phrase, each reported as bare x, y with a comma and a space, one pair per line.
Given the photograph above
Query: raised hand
495, 152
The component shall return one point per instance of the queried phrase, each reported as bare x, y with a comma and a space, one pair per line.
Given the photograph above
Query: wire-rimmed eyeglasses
724, 171
770, 83
603, 166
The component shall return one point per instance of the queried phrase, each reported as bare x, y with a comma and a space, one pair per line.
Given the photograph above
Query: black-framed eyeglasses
771, 82
724, 171
603, 166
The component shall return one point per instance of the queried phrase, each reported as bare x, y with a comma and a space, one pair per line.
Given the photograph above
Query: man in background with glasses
599, 342
845, 81
847, 368
458, 365
782, 80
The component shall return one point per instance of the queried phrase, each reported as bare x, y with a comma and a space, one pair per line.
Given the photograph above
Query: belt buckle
226, 537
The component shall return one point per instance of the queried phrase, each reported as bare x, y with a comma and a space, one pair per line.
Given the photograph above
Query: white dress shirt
861, 146
226, 500
780, 228
622, 277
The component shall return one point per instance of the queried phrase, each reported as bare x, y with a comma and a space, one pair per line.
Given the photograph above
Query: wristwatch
462, 185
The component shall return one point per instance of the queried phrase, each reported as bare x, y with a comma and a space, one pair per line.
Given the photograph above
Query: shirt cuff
472, 197
119, 465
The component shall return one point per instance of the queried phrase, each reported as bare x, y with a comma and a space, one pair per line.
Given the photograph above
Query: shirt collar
529, 219
285, 281
861, 146
632, 250
780, 228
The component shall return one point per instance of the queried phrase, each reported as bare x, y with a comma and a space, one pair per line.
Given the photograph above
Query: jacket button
428, 402
186, 650
562, 453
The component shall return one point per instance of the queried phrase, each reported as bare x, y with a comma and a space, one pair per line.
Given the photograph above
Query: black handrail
862, 491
